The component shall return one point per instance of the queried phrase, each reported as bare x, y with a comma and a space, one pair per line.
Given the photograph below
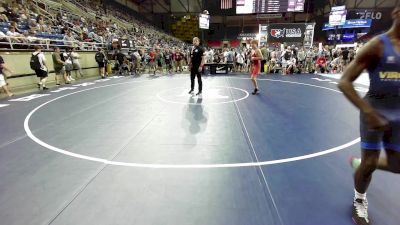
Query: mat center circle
210, 95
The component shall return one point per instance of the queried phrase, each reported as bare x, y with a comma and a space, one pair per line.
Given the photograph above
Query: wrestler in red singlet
256, 58
256, 65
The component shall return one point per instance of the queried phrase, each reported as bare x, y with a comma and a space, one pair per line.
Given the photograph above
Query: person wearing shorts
100, 58
379, 112
42, 72
59, 68
256, 57
3, 83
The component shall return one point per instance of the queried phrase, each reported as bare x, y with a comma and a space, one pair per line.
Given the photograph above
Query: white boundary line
183, 166
257, 160
292, 82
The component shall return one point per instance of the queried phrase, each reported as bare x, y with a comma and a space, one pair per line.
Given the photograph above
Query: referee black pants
194, 71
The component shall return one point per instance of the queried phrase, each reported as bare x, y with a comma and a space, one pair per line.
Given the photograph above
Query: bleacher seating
82, 18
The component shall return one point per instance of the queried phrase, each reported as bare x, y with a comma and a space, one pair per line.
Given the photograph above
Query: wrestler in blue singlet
384, 96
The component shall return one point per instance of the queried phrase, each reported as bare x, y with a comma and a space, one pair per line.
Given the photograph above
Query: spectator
178, 57
69, 39
76, 64
301, 56
321, 64
291, 65
59, 66
310, 55
225, 56
15, 36
64, 30
240, 61
13, 14
138, 59
119, 58
38, 64
3, 83
124, 69
352, 55
159, 60
100, 58
41, 26
59, 18
2, 36
345, 56
168, 61
335, 64
230, 59
3, 16
15, 25
286, 60
67, 56
273, 57
265, 54
152, 61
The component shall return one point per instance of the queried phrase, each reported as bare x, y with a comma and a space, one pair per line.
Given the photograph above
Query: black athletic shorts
101, 64
41, 73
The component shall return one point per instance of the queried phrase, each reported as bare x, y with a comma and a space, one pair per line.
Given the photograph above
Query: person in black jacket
101, 60
196, 63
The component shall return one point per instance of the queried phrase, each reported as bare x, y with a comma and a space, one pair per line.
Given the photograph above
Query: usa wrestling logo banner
289, 32
278, 33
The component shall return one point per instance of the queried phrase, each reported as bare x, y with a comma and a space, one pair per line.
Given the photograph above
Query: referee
196, 64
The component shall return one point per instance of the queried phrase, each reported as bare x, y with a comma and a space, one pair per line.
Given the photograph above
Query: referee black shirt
196, 57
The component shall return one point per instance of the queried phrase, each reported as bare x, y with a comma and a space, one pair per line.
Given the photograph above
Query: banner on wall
309, 35
350, 24
287, 32
263, 32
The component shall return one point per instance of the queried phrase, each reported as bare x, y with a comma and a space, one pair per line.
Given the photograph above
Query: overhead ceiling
196, 6
169, 6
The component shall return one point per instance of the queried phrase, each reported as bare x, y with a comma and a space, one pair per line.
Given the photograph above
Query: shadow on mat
195, 115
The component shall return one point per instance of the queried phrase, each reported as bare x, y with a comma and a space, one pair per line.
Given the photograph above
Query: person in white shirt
67, 55
76, 65
285, 57
14, 35
137, 61
240, 61
3, 82
208, 56
42, 71
336, 65
3, 37
69, 39
12, 32
291, 65
226, 53
273, 60
212, 55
